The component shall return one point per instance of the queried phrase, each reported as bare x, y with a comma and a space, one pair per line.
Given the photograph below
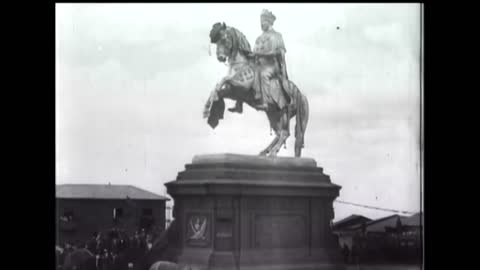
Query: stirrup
236, 109
263, 106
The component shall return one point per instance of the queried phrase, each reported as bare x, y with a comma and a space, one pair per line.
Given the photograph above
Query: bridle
229, 63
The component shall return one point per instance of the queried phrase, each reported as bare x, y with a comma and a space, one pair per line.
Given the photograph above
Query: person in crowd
143, 240
92, 243
123, 243
355, 252
136, 240
106, 260
80, 245
60, 256
68, 247
155, 231
115, 246
113, 260
346, 252
149, 242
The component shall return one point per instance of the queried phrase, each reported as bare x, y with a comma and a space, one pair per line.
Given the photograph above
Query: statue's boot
261, 104
286, 89
238, 107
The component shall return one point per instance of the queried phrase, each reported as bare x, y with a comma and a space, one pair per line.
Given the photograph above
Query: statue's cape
239, 40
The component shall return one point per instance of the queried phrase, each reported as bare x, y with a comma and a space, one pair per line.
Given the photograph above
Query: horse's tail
301, 122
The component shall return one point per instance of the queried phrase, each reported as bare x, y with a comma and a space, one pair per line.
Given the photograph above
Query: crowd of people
389, 248
112, 250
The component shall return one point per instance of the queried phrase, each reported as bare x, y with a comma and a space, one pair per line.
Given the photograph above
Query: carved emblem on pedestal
198, 230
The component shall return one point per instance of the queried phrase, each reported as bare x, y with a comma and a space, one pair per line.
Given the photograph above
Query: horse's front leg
217, 93
269, 147
222, 82
273, 120
281, 140
208, 105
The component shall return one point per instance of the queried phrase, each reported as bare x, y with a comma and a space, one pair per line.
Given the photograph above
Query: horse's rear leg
298, 147
301, 125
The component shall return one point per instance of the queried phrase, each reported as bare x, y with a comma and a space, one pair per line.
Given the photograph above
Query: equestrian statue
258, 78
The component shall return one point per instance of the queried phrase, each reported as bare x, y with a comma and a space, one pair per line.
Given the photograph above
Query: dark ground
384, 267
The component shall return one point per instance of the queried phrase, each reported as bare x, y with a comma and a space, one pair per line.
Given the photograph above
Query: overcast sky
132, 80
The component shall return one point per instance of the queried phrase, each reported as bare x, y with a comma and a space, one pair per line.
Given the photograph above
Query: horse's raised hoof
235, 109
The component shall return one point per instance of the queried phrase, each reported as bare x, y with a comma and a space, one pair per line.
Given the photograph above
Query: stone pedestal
251, 212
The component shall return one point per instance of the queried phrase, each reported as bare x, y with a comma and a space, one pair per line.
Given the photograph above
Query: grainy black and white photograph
206, 136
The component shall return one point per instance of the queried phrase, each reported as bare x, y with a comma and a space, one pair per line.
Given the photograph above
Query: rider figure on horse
269, 52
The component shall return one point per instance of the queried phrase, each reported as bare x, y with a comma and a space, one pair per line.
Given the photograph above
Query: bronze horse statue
237, 85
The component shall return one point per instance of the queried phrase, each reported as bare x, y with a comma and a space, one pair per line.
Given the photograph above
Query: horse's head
219, 36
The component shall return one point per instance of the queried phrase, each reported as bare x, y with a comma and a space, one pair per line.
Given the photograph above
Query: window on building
117, 213
147, 221
67, 219
147, 212
67, 215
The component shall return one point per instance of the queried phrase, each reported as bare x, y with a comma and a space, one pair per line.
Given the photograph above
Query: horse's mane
239, 43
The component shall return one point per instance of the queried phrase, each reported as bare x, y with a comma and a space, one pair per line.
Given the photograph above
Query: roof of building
350, 221
92, 191
414, 220
380, 225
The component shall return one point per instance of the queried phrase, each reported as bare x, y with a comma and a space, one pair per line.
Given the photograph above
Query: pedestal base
249, 212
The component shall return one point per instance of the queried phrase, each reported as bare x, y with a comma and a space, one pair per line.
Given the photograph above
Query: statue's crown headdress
268, 16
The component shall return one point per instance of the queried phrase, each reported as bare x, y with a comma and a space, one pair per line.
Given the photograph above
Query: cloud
389, 33
140, 59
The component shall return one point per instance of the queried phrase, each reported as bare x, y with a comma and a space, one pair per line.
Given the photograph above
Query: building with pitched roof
346, 228
349, 222
83, 209
393, 237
